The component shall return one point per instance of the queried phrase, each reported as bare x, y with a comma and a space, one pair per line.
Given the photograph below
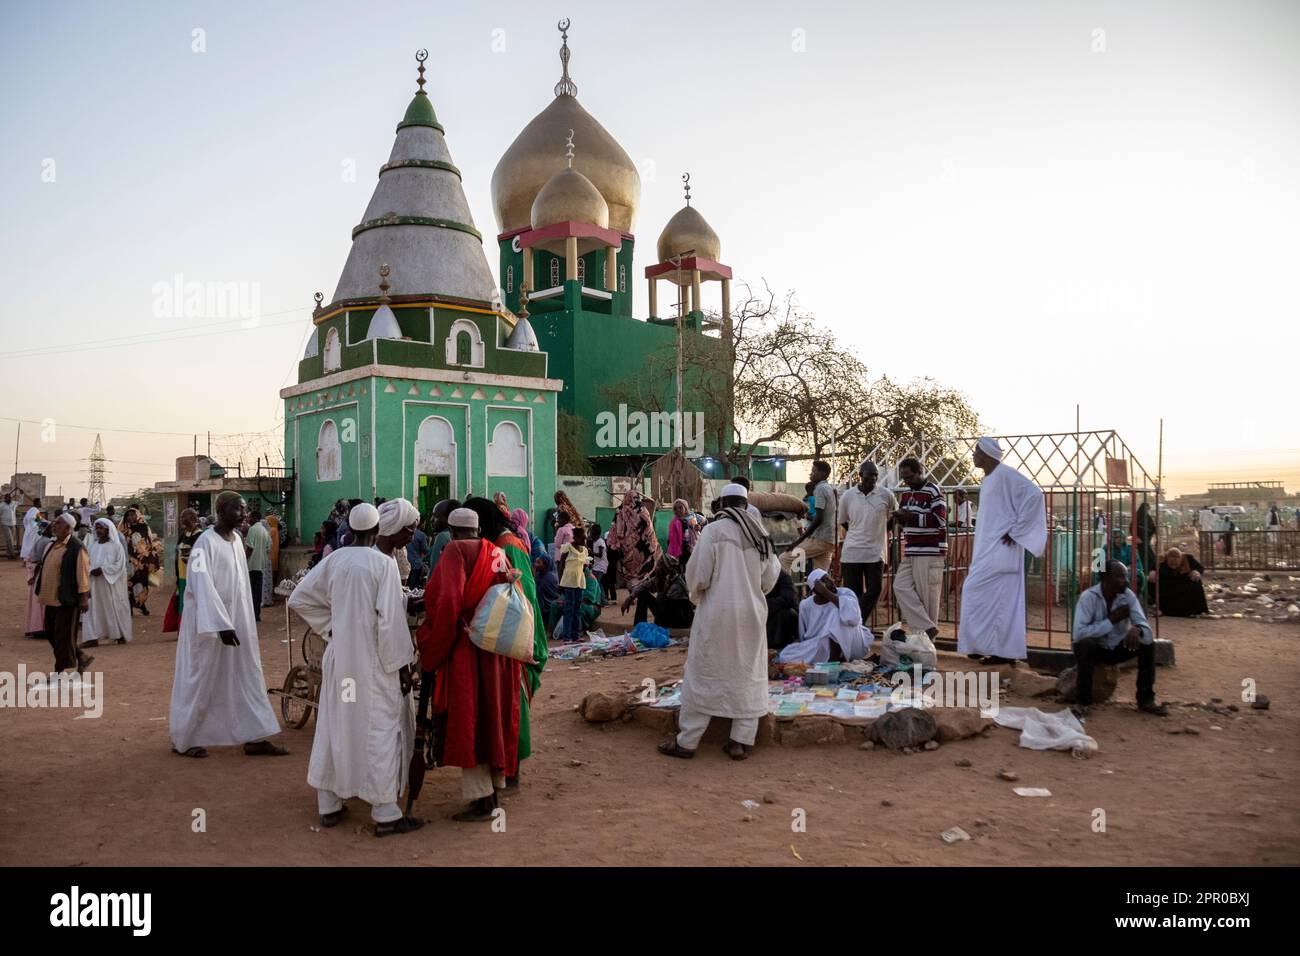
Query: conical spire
418, 219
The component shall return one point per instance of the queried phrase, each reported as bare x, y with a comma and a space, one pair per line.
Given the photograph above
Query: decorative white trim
477, 348
531, 441
546, 293
423, 375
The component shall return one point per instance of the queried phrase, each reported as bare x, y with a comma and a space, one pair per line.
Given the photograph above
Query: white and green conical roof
418, 221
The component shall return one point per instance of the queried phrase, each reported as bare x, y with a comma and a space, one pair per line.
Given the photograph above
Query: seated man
1109, 627
665, 593
782, 613
830, 625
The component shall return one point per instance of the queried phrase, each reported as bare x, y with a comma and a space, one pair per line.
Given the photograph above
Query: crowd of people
373, 567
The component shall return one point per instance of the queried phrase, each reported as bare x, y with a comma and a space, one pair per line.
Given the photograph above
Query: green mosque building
424, 378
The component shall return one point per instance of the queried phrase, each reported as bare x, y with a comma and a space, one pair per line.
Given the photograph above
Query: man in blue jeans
573, 581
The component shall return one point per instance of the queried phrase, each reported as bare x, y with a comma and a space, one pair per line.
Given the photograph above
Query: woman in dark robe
1182, 593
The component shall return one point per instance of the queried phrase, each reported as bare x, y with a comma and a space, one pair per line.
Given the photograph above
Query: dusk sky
1041, 203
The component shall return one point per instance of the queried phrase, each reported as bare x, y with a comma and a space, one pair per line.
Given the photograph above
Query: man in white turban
365, 725
830, 625
109, 615
1012, 521
398, 519
731, 569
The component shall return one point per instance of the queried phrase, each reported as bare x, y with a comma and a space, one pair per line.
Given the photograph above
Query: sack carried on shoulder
503, 623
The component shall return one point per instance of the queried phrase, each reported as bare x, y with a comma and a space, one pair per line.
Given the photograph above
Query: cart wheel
298, 689
313, 648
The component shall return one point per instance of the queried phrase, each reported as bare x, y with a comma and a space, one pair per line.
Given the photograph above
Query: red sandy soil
109, 791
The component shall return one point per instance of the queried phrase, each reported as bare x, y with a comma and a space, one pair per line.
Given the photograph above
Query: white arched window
582, 270
555, 272
622, 278
329, 454
507, 454
333, 351
510, 278
465, 344
435, 450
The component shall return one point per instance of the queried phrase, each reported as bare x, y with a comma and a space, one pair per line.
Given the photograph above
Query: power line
147, 338
137, 431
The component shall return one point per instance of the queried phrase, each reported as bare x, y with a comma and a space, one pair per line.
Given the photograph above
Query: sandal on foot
332, 819
740, 754
479, 811
669, 748
264, 748
192, 752
404, 825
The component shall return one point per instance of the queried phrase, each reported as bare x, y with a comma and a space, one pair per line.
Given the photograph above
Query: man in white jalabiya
830, 625
365, 727
109, 615
219, 693
731, 569
30, 534
1012, 521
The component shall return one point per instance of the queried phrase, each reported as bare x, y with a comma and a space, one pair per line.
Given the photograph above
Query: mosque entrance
432, 489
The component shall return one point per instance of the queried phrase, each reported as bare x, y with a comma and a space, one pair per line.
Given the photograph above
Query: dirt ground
108, 791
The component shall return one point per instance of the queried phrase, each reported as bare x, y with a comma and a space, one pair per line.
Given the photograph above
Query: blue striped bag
503, 623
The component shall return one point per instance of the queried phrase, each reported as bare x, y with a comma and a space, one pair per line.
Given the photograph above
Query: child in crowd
573, 564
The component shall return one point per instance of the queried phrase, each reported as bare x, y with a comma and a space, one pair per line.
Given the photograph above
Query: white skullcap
363, 517
463, 518
396, 514
67, 517
736, 491
815, 577
990, 447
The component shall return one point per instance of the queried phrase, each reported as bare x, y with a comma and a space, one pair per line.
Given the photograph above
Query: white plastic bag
1060, 730
917, 646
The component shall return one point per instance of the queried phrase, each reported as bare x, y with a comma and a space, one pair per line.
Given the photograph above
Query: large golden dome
687, 230
537, 154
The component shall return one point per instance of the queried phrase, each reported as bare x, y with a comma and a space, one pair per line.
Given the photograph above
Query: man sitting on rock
1110, 627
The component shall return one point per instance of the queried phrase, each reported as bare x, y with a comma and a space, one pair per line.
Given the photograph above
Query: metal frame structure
1092, 485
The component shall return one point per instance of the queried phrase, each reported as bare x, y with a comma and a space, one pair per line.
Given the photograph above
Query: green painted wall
472, 412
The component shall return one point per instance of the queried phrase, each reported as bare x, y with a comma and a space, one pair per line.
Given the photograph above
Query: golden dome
569, 196
687, 230
537, 154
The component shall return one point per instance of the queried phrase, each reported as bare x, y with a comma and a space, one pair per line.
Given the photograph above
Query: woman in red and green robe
495, 526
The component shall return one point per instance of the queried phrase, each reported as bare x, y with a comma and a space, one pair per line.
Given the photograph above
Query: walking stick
415, 778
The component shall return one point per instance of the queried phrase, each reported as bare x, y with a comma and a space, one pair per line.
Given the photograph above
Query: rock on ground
1104, 679
599, 707
957, 723
904, 728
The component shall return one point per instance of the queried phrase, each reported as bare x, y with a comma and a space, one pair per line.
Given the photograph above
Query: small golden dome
534, 158
687, 230
569, 196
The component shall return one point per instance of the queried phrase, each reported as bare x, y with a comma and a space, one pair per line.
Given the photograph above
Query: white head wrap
67, 517
815, 577
109, 557
737, 491
463, 518
363, 517
990, 447
396, 514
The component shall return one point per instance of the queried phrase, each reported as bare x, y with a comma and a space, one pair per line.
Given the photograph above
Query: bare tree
784, 380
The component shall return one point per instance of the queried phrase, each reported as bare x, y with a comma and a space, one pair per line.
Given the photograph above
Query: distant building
25, 484
1251, 495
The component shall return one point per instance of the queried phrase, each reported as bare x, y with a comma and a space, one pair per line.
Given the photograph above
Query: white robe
29, 533
993, 597
218, 692
726, 660
819, 624
109, 614
365, 727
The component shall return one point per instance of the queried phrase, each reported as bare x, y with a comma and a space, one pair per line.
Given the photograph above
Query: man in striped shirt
923, 518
